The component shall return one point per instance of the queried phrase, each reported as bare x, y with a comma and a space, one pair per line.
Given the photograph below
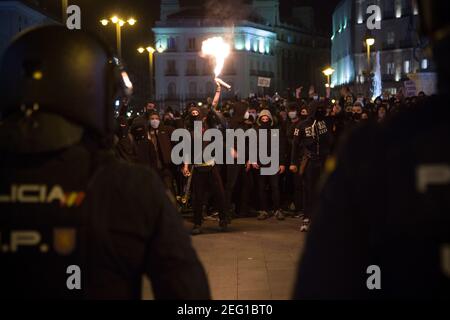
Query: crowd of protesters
309, 131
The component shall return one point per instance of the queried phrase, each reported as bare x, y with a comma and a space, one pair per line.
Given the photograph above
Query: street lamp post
151, 52
119, 24
369, 42
328, 72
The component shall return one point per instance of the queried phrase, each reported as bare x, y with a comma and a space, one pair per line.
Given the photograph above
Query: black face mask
265, 124
356, 116
169, 122
349, 115
122, 131
320, 114
138, 133
303, 117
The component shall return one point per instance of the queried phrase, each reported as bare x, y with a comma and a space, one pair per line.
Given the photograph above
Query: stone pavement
254, 260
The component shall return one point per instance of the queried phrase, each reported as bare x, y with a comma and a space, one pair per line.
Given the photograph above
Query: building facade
16, 16
397, 55
289, 54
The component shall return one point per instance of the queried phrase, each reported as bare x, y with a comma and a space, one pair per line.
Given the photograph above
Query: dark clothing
207, 180
273, 181
338, 128
123, 148
234, 174
163, 148
312, 138
293, 189
110, 218
385, 204
277, 134
290, 129
313, 171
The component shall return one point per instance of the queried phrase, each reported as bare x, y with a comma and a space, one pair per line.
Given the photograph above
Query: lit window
247, 44
255, 45
360, 19
398, 8
424, 64
261, 46
407, 66
415, 8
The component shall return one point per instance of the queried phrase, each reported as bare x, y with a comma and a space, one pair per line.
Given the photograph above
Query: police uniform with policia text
75, 222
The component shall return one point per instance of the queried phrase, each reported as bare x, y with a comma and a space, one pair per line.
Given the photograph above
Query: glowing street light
328, 72
119, 24
369, 41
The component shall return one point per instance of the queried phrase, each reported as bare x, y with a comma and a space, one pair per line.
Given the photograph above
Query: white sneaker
305, 225
263, 215
279, 215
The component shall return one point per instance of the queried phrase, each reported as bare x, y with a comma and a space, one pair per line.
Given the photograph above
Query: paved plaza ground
254, 260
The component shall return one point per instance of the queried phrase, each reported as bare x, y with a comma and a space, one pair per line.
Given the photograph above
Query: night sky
147, 12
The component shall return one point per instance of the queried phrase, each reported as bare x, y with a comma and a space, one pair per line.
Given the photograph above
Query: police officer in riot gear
382, 229
75, 222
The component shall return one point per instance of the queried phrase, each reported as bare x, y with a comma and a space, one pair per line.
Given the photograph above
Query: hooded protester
293, 181
382, 112
357, 111
339, 122
168, 118
194, 114
236, 172
123, 145
206, 178
265, 122
313, 140
144, 154
161, 147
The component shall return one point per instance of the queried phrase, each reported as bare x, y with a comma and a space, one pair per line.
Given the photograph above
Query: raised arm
217, 95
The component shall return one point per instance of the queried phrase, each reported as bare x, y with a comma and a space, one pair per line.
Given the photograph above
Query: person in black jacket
236, 172
159, 137
123, 144
313, 140
206, 177
75, 222
266, 122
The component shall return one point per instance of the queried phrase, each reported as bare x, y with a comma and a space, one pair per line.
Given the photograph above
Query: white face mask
154, 123
246, 115
292, 114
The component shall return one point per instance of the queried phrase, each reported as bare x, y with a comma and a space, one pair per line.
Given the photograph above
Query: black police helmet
66, 79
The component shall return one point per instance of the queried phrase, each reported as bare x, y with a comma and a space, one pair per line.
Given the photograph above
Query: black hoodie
311, 137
